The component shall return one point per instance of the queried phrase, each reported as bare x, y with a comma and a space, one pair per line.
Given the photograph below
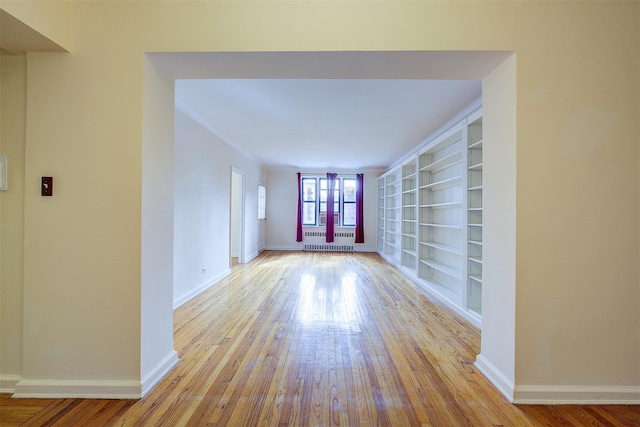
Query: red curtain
299, 229
331, 186
359, 208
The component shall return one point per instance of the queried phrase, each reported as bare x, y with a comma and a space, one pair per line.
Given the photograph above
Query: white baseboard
502, 383
284, 248
301, 248
576, 395
433, 293
152, 378
85, 389
8, 383
557, 395
251, 257
363, 249
198, 290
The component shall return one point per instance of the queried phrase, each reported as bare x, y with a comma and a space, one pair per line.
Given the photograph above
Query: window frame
349, 202
306, 200
339, 202
262, 202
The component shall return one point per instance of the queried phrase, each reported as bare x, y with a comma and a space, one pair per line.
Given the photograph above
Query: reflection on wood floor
316, 339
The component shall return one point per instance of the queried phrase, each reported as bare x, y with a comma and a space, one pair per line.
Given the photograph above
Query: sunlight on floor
335, 303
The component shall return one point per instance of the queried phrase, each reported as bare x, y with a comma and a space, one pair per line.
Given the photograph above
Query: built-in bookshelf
381, 216
441, 220
474, 214
409, 215
393, 215
430, 216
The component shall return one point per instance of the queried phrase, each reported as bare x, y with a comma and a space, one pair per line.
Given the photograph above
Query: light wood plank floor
316, 339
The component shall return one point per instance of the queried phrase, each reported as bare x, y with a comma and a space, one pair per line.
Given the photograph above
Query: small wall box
3, 172
47, 186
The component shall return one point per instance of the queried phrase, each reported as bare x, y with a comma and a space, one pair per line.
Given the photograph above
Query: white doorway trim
237, 215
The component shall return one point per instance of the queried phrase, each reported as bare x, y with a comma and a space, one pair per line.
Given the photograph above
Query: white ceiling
326, 110
340, 124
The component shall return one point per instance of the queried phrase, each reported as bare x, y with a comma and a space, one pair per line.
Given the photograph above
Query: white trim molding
557, 395
197, 291
356, 248
576, 395
432, 293
85, 389
299, 247
8, 383
493, 374
88, 389
251, 257
159, 372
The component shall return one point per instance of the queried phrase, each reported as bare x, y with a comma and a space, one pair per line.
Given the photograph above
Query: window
309, 201
349, 202
324, 190
262, 200
314, 201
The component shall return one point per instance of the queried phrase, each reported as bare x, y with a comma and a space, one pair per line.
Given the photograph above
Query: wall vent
329, 248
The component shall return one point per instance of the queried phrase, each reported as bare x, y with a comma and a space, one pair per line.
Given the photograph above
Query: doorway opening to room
236, 218
166, 69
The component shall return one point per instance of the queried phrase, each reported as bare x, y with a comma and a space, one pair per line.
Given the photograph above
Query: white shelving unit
474, 215
409, 216
393, 215
430, 216
440, 214
381, 215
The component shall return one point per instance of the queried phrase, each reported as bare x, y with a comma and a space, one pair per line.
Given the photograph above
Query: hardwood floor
316, 339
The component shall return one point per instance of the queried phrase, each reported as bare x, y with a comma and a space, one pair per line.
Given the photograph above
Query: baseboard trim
85, 389
433, 294
8, 383
497, 378
158, 373
251, 257
197, 291
576, 395
284, 248
360, 249
356, 248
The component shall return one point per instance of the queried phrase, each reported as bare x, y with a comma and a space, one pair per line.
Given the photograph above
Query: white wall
236, 212
157, 355
282, 206
497, 356
577, 167
202, 188
13, 70
262, 225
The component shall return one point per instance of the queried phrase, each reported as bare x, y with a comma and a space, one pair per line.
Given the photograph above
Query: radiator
329, 248
315, 241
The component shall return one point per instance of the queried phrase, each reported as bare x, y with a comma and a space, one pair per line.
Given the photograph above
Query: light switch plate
3, 172
47, 186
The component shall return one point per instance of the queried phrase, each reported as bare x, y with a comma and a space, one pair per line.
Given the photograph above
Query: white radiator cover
316, 241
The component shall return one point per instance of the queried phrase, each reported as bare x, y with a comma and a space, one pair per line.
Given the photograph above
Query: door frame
237, 174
